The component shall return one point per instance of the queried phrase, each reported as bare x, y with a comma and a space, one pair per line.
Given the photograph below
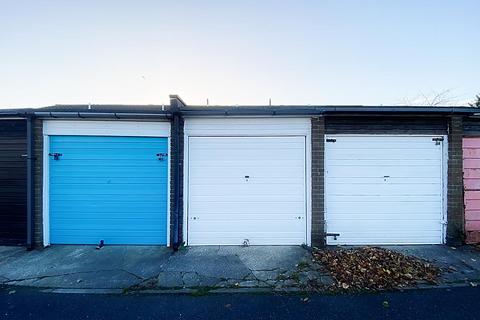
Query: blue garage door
108, 188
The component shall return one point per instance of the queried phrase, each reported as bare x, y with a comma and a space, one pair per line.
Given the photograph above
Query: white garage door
246, 189
384, 189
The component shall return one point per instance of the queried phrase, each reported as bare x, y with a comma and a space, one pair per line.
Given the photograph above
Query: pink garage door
471, 182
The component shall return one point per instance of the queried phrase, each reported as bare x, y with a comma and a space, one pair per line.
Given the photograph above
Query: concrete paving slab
459, 263
109, 279
207, 263
5, 252
10, 254
170, 279
191, 279
145, 261
111, 266
271, 257
266, 275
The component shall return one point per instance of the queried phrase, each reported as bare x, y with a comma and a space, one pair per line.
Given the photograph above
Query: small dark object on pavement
100, 245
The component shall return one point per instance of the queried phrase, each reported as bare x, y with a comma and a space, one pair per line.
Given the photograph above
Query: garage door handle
162, 156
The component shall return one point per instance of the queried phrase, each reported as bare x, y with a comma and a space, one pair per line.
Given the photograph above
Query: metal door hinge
331, 140
437, 140
162, 156
55, 155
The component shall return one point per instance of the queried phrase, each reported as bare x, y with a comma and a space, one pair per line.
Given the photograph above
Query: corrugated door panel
384, 190
13, 182
471, 184
246, 188
108, 188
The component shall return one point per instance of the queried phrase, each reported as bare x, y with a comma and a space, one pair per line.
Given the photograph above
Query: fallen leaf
372, 268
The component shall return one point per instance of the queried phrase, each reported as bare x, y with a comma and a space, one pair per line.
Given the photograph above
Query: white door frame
444, 171
97, 128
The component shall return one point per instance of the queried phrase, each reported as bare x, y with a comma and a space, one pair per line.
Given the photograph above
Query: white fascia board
107, 128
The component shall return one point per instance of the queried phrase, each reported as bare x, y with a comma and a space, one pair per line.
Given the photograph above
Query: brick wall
318, 151
38, 180
455, 223
176, 152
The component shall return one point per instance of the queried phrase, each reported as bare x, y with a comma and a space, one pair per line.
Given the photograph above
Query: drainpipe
30, 183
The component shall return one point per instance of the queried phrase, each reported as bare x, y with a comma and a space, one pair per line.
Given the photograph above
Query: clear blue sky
237, 52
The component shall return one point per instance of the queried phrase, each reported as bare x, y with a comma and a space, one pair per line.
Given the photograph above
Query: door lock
55, 155
437, 140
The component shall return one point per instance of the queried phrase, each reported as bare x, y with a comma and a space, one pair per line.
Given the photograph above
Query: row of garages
239, 176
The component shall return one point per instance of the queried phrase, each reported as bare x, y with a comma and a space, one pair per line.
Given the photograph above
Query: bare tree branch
434, 98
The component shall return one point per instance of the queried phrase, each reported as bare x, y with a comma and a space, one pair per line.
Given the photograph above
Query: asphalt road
455, 303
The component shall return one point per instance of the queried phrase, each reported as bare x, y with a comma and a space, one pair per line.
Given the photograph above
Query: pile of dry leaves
371, 268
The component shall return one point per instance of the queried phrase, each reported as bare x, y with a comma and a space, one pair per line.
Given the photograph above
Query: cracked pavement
151, 267
233, 267
143, 267
114, 267
278, 268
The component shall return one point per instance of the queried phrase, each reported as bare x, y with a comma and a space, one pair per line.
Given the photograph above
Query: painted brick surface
471, 181
318, 212
455, 214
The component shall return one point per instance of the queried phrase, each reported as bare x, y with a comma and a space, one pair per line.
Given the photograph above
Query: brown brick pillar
455, 215
318, 151
38, 180
176, 206
176, 172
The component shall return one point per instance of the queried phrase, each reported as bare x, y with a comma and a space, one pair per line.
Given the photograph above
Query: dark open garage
13, 182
